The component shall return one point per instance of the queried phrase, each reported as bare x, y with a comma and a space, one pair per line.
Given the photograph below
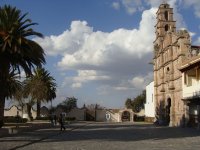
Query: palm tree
40, 87
12, 85
17, 51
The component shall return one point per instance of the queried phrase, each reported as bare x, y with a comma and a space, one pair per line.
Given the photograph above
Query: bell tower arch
164, 24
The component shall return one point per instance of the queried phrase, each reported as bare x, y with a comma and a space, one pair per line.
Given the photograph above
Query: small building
15, 110
191, 91
149, 106
77, 113
115, 115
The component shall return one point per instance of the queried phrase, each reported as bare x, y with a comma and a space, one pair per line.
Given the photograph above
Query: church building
172, 48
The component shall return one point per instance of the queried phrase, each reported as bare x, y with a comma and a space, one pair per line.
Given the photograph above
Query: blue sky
99, 50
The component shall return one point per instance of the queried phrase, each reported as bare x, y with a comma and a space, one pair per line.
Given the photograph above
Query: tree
40, 87
94, 106
11, 85
17, 51
128, 103
19, 97
137, 103
68, 104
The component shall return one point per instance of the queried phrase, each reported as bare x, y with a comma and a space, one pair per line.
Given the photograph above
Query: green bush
139, 118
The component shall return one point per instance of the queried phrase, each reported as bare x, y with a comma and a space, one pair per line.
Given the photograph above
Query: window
167, 69
166, 27
185, 77
166, 15
198, 73
191, 77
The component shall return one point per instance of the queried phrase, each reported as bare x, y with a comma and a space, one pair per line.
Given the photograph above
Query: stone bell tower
169, 52
164, 24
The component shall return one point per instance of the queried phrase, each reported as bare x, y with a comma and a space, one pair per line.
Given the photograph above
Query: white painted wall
190, 91
150, 106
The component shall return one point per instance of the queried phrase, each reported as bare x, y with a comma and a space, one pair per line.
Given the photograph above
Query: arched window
166, 27
167, 70
166, 15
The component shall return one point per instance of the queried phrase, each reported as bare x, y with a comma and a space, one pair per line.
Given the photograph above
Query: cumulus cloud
141, 81
116, 5
117, 61
103, 57
100, 49
84, 76
132, 6
76, 85
69, 41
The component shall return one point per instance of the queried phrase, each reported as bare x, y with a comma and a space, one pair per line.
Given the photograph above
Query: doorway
168, 111
125, 116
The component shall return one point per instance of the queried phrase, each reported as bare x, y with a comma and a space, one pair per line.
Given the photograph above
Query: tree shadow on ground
126, 133
122, 132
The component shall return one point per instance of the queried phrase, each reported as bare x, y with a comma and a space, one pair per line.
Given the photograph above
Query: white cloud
192, 34
103, 57
97, 48
141, 81
76, 85
68, 42
89, 75
83, 76
132, 6
117, 61
197, 42
121, 88
116, 5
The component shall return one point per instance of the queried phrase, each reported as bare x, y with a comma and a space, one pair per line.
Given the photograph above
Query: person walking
51, 119
61, 121
55, 120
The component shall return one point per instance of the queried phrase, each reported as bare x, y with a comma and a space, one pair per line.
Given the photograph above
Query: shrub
139, 118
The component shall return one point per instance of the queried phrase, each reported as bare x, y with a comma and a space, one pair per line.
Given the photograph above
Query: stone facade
171, 49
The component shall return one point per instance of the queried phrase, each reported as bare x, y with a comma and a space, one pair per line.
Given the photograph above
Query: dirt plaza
106, 136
